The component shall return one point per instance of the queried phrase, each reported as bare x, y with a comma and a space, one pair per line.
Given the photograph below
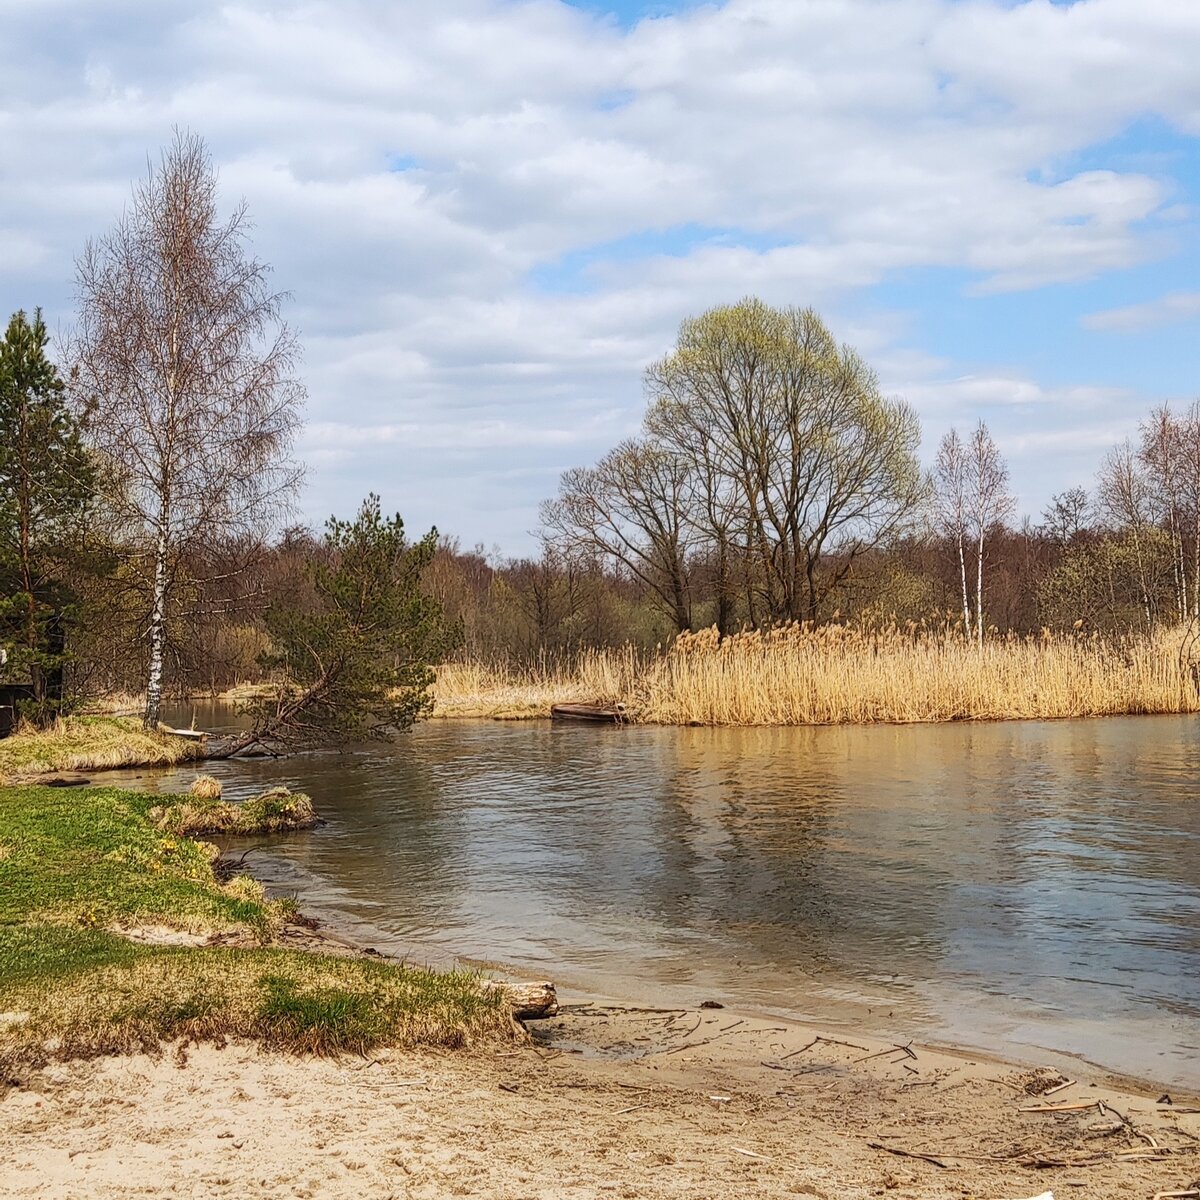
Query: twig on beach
715, 1036
1070, 1106
898, 1150
907, 1051
827, 1040
749, 1153
632, 1108
1059, 1087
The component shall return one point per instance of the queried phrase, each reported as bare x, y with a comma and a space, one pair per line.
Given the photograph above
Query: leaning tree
185, 372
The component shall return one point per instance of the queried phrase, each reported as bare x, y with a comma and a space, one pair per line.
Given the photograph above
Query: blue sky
493, 214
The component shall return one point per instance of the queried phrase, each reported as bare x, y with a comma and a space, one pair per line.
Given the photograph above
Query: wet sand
603, 1101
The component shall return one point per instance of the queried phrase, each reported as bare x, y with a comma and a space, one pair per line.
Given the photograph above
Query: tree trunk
725, 605
979, 590
158, 622
962, 571
528, 1001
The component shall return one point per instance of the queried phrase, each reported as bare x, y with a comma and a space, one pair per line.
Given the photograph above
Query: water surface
1010, 886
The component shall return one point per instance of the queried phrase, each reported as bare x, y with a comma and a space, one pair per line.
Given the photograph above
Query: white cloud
409, 165
1175, 306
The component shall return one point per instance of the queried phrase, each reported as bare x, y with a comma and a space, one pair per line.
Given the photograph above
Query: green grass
88, 744
91, 858
79, 866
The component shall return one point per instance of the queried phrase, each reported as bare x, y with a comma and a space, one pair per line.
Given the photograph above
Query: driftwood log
529, 1001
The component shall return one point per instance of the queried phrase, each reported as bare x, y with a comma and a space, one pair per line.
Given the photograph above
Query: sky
492, 215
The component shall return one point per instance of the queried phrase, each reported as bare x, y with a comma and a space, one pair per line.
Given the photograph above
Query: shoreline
626, 1099
346, 934
604, 1099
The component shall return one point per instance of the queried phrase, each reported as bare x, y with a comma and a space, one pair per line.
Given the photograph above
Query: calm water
1008, 886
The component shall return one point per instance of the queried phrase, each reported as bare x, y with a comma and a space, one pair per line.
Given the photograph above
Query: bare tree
1161, 454
1189, 472
630, 509
1124, 500
950, 505
185, 371
1066, 516
989, 503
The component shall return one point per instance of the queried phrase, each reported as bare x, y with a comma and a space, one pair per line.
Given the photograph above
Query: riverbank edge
605, 1099
692, 1062
117, 935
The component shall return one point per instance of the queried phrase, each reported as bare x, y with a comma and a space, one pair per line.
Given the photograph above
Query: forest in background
773, 491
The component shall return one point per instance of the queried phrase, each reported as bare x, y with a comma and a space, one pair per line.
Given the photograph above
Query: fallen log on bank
529, 1001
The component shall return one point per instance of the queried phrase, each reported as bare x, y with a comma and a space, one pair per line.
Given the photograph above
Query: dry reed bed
505, 692
835, 674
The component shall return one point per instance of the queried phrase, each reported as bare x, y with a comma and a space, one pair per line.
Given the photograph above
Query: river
1015, 887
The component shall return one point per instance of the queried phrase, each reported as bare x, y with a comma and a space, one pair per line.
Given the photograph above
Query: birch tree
971, 497
989, 504
950, 505
186, 373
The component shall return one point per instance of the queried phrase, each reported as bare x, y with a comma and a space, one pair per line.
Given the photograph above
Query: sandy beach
603, 1101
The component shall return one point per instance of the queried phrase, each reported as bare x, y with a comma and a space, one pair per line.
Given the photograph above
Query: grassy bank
842, 675
89, 744
87, 882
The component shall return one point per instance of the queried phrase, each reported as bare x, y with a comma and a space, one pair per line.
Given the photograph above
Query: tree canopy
353, 646
46, 484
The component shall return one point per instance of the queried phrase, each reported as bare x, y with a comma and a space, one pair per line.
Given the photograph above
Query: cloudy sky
492, 214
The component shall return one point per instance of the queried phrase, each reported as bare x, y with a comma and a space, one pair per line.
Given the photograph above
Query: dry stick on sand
715, 1036
1070, 1106
902, 1153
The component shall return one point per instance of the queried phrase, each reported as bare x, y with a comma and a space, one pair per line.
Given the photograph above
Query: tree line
774, 482
148, 483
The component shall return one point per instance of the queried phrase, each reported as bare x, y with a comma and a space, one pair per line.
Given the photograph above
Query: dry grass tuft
288, 1000
276, 811
205, 787
837, 674
88, 744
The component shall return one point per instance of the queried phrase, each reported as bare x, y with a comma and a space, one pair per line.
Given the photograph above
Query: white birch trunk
979, 588
158, 622
962, 571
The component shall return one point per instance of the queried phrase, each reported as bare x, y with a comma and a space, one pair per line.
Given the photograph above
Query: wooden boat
604, 714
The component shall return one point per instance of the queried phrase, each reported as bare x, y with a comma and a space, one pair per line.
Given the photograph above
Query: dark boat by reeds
601, 714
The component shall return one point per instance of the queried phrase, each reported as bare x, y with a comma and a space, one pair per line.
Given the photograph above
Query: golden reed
837, 674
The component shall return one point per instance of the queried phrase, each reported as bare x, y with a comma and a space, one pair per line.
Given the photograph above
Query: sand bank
604, 1102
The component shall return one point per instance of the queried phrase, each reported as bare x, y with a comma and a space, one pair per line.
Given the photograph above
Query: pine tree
46, 482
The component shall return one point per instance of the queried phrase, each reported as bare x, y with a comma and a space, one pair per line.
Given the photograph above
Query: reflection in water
999, 884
